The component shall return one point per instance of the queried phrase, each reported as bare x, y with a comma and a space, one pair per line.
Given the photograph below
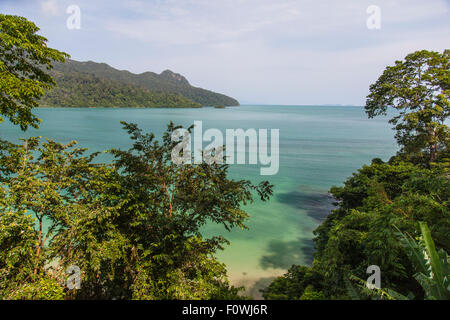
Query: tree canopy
25, 60
85, 90
418, 87
77, 85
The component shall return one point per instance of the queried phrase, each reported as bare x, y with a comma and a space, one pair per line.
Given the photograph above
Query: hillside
83, 90
83, 84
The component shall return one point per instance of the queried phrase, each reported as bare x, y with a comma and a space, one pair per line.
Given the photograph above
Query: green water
319, 147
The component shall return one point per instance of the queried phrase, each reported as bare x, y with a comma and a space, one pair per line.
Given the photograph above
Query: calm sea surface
320, 146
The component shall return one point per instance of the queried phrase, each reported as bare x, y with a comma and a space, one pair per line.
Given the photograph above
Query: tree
38, 184
24, 62
160, 210
419, 89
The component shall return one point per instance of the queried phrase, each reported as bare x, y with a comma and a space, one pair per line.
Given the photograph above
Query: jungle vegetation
81, 84
84, 90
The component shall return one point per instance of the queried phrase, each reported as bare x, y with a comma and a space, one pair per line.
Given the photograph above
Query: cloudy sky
258, 51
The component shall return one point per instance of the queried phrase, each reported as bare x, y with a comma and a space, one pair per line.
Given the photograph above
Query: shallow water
320, 146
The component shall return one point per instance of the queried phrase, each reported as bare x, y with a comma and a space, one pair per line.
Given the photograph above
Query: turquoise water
320, 146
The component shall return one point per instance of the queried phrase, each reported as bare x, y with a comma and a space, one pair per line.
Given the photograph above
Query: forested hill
84, 90
91, 84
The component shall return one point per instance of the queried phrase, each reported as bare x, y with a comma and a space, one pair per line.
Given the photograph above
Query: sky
294, 52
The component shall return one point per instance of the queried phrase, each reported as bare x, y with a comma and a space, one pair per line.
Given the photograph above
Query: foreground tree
418, 87
24, 62
160, 209
37, 184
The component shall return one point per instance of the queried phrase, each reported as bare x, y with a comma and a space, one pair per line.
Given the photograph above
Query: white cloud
197, 22
193, 22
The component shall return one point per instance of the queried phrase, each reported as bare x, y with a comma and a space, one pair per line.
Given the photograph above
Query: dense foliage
384, 198
432, 269
24, 60
76, 79
84, 90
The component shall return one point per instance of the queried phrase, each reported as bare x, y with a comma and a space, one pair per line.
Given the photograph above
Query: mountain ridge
73, 75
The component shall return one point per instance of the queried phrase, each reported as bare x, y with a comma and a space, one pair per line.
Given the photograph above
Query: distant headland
91, 84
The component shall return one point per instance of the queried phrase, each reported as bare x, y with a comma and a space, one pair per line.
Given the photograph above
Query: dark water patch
284, 254
308, 247
255, 290
316, 205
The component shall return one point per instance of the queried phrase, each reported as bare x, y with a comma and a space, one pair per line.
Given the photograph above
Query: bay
320, 146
